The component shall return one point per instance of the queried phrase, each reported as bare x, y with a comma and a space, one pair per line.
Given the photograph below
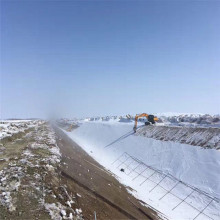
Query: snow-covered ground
10, 127
107, 140
190, 120
168, 119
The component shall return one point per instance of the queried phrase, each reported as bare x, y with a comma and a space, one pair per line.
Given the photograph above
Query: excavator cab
151, 119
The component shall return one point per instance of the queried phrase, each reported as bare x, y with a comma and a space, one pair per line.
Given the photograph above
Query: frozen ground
30, 184
190, 120
168, 119
107, 140
198, 136
10, 127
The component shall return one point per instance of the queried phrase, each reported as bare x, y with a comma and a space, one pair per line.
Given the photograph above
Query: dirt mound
204, 137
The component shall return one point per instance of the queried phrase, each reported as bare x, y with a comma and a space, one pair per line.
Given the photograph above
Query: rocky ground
30, 183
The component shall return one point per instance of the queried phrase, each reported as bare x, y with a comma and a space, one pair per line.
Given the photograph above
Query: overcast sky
90, 58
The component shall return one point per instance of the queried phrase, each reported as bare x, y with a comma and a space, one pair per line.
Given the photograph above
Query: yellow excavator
70, 128
151, 119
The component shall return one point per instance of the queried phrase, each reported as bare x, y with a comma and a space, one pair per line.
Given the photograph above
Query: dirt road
97, 189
